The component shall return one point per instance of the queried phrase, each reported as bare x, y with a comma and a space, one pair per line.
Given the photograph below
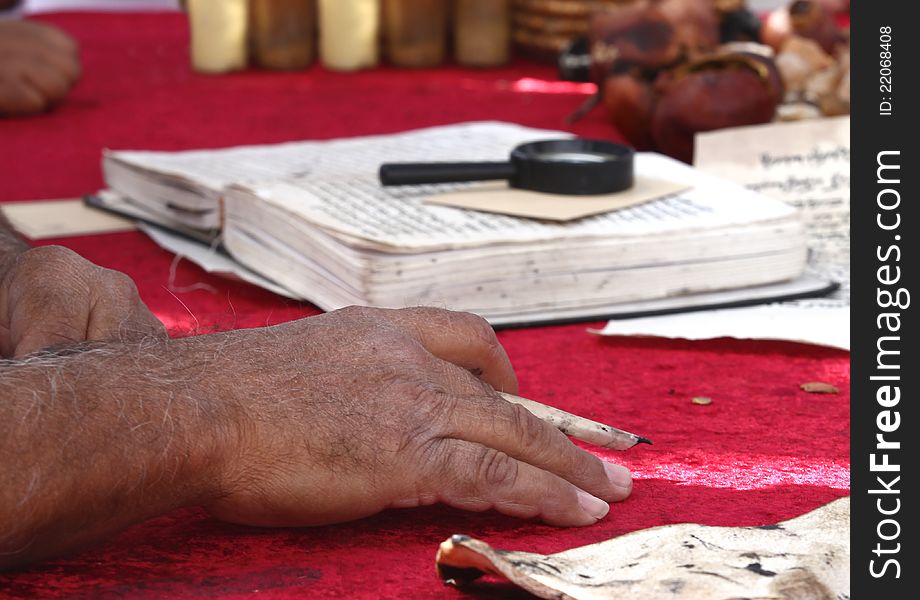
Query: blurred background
50, 5
660, 71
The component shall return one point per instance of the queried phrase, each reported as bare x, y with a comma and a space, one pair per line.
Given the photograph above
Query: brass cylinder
482, 32
415, 32
281, 33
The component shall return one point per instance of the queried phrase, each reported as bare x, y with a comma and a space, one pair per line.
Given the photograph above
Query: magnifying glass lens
574, 157
568, 166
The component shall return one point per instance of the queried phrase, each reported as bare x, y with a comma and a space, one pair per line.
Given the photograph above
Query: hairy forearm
104, 436
315, 421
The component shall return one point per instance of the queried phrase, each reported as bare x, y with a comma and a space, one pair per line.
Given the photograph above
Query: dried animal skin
806, 558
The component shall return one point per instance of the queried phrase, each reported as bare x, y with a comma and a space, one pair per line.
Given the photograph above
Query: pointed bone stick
579, 428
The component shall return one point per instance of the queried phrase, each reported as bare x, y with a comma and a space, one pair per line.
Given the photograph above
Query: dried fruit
662, 78
802, 18
711, 93
799, 60
635, 35
696, 23
630, 102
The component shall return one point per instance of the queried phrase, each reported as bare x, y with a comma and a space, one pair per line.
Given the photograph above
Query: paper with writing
398, 219
331, 159
498, 197
805, 164
313, 217
217, 263
189, 184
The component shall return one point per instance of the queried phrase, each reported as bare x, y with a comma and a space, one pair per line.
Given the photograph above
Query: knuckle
49, 257
482, 334
73, 72
584, 466
367, 320
416, 414
57, 270
478, 326
435, 407
54, 36
404, 355
432, 453
58, 331
54, 89
528, 429
435, 399
422, 312
20, 102
496, 469
119, 283
70, 45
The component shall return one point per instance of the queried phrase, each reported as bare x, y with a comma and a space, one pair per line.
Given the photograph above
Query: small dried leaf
818, 387
702, 400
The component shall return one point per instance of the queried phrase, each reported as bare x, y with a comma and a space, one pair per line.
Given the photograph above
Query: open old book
312, 217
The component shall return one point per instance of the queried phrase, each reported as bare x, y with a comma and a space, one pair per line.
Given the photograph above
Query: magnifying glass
572, 167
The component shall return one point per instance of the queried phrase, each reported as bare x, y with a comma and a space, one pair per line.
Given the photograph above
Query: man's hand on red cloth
38, 66
321, 420
50, 296
343, 415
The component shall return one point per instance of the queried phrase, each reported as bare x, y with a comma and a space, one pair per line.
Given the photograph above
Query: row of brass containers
282, 34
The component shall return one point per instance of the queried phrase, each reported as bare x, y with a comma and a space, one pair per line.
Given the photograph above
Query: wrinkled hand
50, 296
343, 415
38, 66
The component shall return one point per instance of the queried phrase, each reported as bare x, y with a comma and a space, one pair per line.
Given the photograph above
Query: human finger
56, 38
48, 299
474, 477
47, 318
487, 419
118, 313
469, 409
51, 83
464, 339
19, 97
64, 63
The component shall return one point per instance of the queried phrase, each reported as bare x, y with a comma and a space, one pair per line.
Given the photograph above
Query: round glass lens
575, 157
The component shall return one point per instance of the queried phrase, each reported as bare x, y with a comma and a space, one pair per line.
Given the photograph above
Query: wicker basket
543, 28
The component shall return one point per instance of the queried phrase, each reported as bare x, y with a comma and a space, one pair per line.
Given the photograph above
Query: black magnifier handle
573, 167
415, 173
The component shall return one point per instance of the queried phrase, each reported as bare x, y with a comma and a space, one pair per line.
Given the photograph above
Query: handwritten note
805, 164
354, 204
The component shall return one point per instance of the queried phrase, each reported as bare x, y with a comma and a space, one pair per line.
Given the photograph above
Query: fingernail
618, 475
595, 507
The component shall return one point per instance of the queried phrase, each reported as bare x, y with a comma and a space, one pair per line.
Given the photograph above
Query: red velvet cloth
762, 451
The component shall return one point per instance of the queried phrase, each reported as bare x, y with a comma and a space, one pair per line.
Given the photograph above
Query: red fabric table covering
762, 451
